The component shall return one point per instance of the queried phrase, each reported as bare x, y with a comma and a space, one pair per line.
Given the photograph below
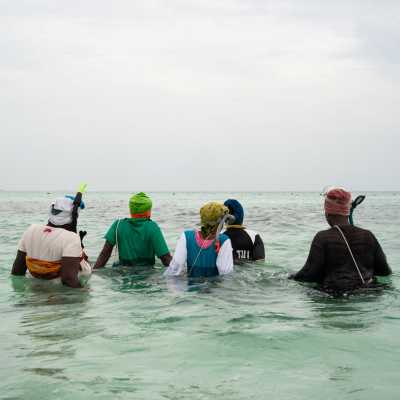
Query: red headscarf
337, 201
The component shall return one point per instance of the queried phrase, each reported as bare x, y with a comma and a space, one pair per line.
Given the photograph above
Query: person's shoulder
71, 244
332, 232
225, 242
151, 226
365, 233
187, 233
34, 230
29, 232
234, 230
252, 234
223, 237
362, 230
72, 236
119, 222
151, 223
35, 227
228, 232
324, 234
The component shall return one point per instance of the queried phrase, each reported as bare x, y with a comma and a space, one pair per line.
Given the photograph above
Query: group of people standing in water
341, 259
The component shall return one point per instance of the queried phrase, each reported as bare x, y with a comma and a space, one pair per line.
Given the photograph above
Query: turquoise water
253, 335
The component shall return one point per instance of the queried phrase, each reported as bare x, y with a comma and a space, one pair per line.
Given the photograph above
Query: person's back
247, 245
331, 265
202, 255
46, 245
138, 240
55, 250
205, 253
344, 257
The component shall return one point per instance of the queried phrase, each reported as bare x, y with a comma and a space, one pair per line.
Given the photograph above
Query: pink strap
203, 243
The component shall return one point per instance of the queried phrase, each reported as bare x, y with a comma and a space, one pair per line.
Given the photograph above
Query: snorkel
226, 219
356, 202
77, 203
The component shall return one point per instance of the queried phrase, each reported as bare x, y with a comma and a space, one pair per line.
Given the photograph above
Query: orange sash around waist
43, 269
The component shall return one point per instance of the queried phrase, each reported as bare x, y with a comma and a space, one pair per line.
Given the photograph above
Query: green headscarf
140, 203
210, 216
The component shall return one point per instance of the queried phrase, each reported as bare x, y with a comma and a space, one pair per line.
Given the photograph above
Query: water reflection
51, 318
181, 284
36, 292
354, 311
126, 279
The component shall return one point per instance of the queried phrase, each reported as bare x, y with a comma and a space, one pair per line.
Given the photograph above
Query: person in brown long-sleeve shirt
330, 262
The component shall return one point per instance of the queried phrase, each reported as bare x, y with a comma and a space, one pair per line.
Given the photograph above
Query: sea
134, 334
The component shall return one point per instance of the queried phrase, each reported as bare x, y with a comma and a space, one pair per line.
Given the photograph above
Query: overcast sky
199, 94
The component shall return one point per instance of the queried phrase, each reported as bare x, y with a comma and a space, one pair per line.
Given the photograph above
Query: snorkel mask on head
226, 219
356, 202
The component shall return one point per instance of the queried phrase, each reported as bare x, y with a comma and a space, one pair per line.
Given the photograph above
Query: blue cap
236, 209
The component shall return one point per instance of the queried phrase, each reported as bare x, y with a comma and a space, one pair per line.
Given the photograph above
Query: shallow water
252, 335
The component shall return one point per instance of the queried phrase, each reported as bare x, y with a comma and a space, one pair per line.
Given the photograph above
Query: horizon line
195, 191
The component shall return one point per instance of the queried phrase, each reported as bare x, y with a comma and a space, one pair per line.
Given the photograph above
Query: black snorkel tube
356, 202
76, 204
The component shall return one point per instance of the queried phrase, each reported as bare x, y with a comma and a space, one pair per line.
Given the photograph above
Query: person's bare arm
104, 255
19, 266
166, 259
70, 267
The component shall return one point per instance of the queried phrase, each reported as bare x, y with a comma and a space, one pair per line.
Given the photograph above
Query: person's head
211, 215
140, 205
235, 209
61, 212
337, 205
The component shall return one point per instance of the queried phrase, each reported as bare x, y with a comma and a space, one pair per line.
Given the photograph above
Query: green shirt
139, 240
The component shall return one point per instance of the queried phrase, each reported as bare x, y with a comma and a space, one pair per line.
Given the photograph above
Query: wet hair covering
210, 215
337, 201
235, 209
61, 211
140, 205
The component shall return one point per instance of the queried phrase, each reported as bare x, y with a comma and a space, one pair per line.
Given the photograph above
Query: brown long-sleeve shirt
329, 262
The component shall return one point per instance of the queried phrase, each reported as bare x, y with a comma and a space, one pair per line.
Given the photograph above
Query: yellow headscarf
211, 214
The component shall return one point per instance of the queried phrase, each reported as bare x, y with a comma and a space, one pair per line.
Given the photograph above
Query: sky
213, 95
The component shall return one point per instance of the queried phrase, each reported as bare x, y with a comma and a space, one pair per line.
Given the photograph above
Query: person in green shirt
138, 239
